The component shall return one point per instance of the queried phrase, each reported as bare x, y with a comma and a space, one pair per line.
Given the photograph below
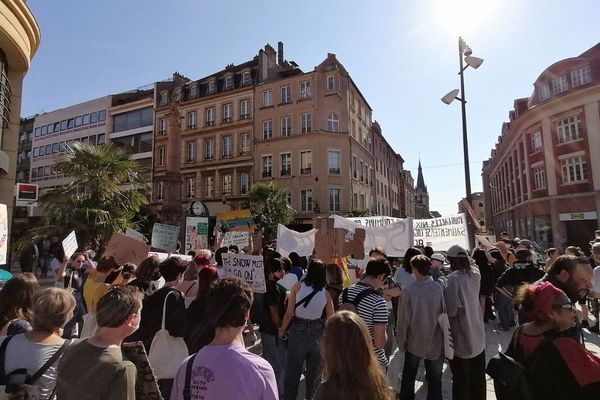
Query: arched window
333, 123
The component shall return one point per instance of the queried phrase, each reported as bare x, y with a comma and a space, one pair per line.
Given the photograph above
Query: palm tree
106, 194
269, 206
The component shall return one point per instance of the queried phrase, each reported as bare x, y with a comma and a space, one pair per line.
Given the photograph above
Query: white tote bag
166, 352
445, 325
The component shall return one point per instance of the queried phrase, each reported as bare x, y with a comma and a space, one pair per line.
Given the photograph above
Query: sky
402, 54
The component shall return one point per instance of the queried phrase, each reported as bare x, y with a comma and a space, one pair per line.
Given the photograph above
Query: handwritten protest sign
239, 239
3, 233
70, 245
132, 233
247, 268
237, 220
164, 237
196, 233
125, 249
441, 233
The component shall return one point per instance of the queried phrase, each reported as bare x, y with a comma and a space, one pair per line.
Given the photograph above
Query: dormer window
229, 82
559, 84
544, 91
193, 91
581, 76
246, 79
164, 98
212, 86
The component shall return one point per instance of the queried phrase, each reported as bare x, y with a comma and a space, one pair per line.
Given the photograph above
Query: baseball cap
439, 257
457, 251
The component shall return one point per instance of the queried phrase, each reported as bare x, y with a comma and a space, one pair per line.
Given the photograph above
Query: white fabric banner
441, 233
288, 241
395, 238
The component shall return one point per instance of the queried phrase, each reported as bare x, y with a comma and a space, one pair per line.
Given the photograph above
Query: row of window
285, 96
568, 130
133, 119
81, 120
579, 76
193, 90
227, 146
59, 147
573, 170
362, 171
305, 156
210, 116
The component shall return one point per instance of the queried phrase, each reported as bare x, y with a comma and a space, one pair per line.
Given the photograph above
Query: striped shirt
372, 310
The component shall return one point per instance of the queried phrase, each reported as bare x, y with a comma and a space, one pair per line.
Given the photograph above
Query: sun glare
464, 16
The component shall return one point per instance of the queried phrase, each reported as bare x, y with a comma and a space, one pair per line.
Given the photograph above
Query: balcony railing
305, 171
334, 171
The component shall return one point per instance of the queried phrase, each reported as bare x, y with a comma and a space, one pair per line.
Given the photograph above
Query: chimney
280, 53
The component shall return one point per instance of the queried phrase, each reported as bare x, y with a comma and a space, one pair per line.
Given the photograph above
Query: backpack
352, 305
511, 378
19, 385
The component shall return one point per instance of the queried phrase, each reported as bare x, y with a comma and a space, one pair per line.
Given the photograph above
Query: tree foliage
269, 206
105, 196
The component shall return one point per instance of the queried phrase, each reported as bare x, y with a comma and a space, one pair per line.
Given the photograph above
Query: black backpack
511, 377
352, 305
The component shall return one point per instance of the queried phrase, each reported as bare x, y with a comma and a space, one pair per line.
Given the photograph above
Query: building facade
542, 180
24, 149
19, 40
407, 194
388, 177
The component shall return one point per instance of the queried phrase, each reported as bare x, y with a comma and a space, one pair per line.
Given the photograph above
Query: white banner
70, 245
288, 241
164, 237
373, 222
441, 233
3, 233
196, 233
395, 238
247, 268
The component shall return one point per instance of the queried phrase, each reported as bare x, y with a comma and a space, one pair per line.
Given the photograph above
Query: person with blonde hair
341, 379
39, 350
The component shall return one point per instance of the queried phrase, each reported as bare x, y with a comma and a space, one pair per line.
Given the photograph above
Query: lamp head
449, 98
473, 62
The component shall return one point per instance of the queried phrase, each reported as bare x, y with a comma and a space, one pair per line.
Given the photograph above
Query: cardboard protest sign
3, 233
70, 245
289, 240
237, 220
125, 249
196, 233
331, 242
239, 239
247, 268
441, 233
132, 233
164, 237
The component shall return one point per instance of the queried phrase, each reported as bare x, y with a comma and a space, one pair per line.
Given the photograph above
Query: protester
297, 265
466, 325
94, 368
488, 281
335, 284
577, 252
552, 254
341, 378
219, 260
28, 257
128, 274
200, 332
39, 350
504, 249
171, 270
189, 284
370, 305
57, 264
16, 303
558, 367
437, 268
403, 275
573, 275
93, 289
148, 279
503, 305
307, 302
72, 280
224, 369
595, 293
273, 311
419, 334
289, 278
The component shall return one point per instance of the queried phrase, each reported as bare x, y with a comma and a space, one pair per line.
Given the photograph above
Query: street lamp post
473, 62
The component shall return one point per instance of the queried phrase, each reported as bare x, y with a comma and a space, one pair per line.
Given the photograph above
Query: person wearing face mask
558, 366
94, 368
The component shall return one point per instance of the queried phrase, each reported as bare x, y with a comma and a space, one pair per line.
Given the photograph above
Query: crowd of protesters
175, 328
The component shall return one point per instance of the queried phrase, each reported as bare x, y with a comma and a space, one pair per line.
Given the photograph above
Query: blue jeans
433, 371
303, 345
506, 313
273, 350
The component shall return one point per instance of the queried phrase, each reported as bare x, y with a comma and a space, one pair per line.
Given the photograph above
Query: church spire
420, 181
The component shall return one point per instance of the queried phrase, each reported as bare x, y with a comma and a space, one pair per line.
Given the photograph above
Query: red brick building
542, 180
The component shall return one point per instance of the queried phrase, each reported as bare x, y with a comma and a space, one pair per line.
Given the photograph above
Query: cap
457, 251
439, 257
523, 253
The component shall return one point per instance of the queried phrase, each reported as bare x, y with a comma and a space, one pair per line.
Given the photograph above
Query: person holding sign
93, 290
